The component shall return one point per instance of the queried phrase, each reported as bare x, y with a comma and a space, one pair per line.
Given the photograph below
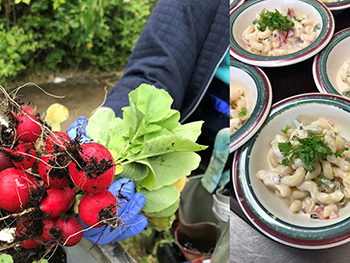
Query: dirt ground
82, 93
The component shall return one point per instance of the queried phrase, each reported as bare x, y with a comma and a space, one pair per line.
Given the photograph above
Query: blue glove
77, 127
128, 211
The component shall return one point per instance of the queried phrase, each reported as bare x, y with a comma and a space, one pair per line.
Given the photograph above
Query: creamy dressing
276, 42
239, 98
247, 95
343, 79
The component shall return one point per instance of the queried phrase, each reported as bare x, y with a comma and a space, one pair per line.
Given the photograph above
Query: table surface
247, 244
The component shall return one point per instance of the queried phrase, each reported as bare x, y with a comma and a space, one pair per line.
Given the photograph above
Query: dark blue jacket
179, 50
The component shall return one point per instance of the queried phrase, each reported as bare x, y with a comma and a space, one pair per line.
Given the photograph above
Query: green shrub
82, 34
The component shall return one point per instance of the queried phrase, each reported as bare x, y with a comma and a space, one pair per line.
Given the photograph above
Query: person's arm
167, 51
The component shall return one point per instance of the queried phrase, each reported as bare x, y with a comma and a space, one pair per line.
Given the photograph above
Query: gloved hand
128, 212
77, 127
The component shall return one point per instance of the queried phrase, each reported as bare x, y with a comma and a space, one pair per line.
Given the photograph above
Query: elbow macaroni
320, 192
238, 108
343, 79
277, 42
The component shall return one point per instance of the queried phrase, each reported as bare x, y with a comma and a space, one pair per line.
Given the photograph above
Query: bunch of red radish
41, 172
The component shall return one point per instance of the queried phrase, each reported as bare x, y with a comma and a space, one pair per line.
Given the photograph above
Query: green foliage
36, 35
153, 148
5, 258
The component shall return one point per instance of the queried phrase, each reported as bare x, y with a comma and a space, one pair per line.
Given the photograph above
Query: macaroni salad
238, 107
343, 79
280, 32
310, 166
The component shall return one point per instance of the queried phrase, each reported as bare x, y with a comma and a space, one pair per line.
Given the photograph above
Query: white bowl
338, 6
245, 14
258, 93
327, 63
234, 4
270, 213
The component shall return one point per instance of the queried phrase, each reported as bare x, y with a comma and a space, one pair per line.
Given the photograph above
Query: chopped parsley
285, 129
273, 20
319, 180
317, 27
297, 19
243, 112
309, 150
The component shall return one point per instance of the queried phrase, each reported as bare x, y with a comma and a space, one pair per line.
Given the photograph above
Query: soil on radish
25, 255
61, 161
107, 213
34, 201
93, 167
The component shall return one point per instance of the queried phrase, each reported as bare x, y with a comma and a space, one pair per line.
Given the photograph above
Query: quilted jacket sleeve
168, 49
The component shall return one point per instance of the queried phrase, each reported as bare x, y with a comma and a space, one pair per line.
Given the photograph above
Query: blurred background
74, 49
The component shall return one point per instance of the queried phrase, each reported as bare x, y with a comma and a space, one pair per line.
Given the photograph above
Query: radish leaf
97, 127
168, 164
153, 148
160, 199
153, 103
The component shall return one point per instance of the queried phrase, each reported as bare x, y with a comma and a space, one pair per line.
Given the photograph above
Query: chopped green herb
342, 201
285, 129
319, 180
309, 150
243, 112
297, 19
273, 20
317, 27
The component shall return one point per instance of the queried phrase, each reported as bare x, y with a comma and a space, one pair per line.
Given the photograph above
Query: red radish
16, 186
54, 170
330, 122
30, 243
27, 127
291, 12
290, 33
57, 201
71, 230
24, 233
93, 169
95, 207
319, 213
48, 225
283, 36
5, 162
57, 139
23, 155
28, 109
333, 215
